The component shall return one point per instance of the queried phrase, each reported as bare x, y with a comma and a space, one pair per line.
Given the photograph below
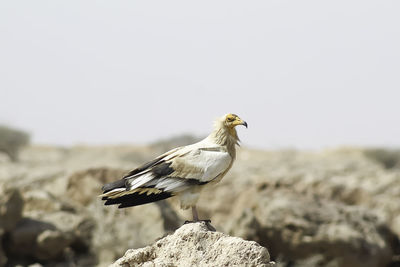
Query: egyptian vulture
182, 172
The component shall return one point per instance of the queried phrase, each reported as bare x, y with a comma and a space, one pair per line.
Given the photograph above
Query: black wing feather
158, 167
136, 199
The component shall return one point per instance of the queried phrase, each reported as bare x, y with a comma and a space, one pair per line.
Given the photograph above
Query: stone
11, 206
46, 237
3, 257
84, 186
193, 245
319, 208
298, 229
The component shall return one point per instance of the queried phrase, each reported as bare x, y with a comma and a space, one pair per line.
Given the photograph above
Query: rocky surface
313, 208
326, 208
194, 245
297, 228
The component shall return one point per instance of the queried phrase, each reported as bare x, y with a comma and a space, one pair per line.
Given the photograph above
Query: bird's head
233, 120
224, 130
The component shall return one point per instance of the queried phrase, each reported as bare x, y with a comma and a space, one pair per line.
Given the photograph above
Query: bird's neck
227, 137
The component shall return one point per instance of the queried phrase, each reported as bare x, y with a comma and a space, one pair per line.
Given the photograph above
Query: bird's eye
230, 119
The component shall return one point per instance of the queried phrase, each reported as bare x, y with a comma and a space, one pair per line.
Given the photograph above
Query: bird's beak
239, 121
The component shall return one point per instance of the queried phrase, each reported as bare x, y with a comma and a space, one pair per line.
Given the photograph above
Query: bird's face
232, 120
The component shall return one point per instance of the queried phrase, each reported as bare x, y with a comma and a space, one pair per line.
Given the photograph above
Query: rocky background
326, 208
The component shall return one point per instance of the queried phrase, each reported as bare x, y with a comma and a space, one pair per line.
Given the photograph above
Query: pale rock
194, 245
84, 186
295, 227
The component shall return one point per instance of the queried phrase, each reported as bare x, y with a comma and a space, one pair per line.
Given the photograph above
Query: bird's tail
116, 193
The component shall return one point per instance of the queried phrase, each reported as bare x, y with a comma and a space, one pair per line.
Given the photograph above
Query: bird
183, 172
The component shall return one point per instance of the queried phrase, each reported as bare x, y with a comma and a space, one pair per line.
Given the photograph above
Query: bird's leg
195, 214
196, 219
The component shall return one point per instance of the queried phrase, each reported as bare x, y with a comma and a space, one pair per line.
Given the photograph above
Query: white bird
183, 171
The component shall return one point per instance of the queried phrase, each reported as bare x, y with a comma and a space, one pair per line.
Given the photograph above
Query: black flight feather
137, 199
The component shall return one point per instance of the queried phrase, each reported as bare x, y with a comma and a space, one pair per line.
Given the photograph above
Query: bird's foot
206, 222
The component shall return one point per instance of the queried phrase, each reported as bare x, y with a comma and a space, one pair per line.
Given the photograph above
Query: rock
194, 245
303, 229
3, 257
47, 238
40, 201
84, 186
119, 229
11, 205
51, 243
322, 208
23, 240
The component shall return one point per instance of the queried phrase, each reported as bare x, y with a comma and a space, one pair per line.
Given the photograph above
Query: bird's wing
173, 172
202, 164
182, 168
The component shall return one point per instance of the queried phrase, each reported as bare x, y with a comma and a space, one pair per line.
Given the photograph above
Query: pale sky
303, 74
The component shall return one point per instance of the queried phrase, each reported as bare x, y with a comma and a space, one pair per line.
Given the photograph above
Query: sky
303, 74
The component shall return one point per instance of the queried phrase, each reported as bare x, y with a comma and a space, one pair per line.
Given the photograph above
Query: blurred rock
23, 240
325, 208
389, 158
194, 245
171, 220
48, 237
3, 257
11, 205
40, 201
119, 229
12, 140
296, 228
83, 186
